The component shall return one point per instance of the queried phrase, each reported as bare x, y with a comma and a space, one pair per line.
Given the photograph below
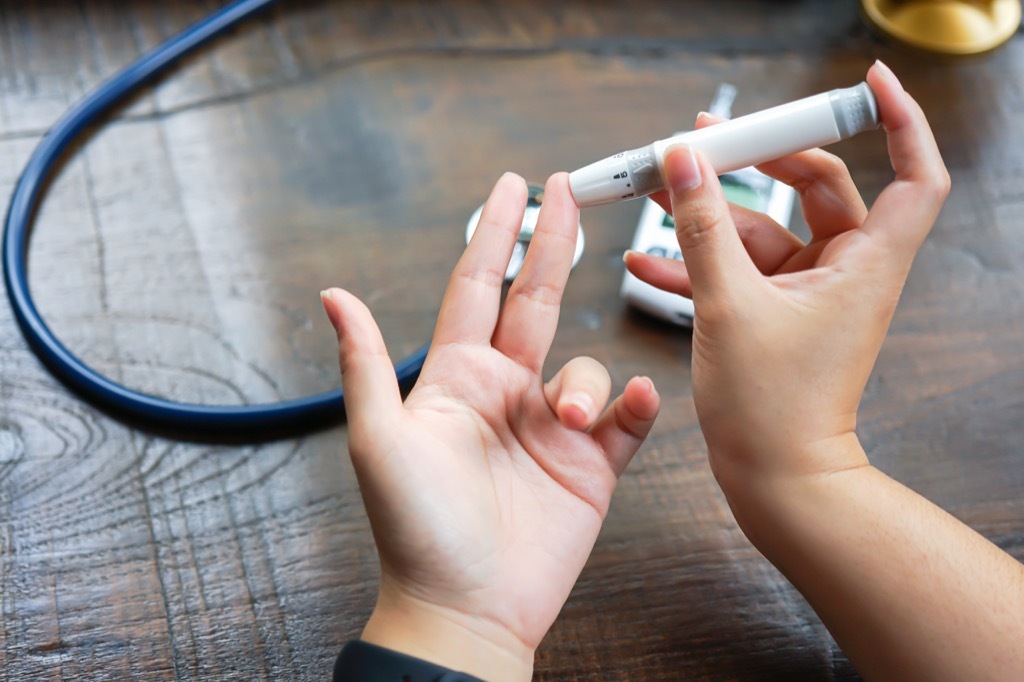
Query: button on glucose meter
534, 199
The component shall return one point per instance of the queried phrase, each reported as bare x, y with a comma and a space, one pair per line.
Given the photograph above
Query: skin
487, 488
785, 337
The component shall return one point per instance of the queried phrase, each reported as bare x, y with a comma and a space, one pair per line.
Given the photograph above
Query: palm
511, 522
486, 488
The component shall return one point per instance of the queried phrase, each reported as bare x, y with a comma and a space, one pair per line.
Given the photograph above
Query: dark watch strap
364, 662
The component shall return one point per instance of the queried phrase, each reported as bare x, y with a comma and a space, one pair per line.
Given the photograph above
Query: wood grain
182, 250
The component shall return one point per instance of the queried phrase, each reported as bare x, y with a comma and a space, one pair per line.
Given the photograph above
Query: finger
528, 321
705, 119
714, 255
904, 212
578, 392
470, 307
662, 198
372, 398
769, 244
626, 422
829, 199
662, 273
828, 196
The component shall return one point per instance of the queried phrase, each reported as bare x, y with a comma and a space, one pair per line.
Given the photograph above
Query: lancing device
745, 141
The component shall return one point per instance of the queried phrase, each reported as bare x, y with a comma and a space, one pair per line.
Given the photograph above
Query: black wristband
364, 662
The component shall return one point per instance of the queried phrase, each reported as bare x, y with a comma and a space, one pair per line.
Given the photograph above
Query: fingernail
584, 402
682, 169
887, 72
331, 308
708, 116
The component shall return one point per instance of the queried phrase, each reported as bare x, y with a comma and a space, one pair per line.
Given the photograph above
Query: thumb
711, 246
367, 375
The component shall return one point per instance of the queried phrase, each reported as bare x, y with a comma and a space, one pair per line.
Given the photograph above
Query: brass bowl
949, 27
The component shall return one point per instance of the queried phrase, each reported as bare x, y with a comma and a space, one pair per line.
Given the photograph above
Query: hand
487, 488
785, 337
786, 333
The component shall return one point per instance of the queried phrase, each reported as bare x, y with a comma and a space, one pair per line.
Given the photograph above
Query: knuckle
628, 423
489, 277
941, 184
540, 293
823, 169
587, 376
708, 314
586, 370
589, 362
697, 223
715, 313
834, 168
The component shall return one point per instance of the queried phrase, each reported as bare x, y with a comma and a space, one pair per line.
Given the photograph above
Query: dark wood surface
182, 251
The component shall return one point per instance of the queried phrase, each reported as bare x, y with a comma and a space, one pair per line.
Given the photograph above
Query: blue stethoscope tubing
246, 422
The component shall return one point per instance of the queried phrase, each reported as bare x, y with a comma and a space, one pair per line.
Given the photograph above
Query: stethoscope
248, 422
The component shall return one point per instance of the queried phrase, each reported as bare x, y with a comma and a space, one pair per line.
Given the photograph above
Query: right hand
786, 333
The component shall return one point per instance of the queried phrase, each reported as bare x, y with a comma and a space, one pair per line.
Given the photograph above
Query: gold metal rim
952, 27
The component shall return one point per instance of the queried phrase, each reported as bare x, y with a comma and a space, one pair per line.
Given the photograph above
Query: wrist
765, 498
742, 466
447, 637
814, 438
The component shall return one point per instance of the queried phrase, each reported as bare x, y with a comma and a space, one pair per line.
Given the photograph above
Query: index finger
904, 212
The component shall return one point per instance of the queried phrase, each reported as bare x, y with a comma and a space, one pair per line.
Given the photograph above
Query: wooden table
181, 251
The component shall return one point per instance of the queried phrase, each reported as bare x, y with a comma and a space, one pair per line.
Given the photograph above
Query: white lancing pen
749, 140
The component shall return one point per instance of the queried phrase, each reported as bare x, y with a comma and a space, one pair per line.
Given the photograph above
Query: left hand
487, 488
